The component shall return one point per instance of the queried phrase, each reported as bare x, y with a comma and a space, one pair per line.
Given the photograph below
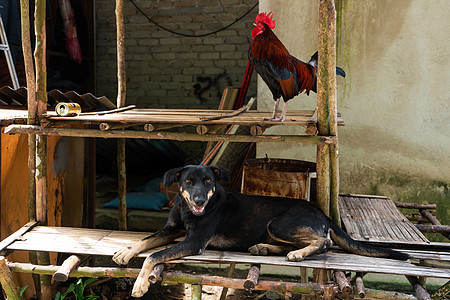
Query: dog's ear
221, 174
171, 176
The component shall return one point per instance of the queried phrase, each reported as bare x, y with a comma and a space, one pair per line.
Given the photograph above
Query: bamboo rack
324, 120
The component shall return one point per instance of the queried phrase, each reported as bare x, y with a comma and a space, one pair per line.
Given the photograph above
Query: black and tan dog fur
211, 216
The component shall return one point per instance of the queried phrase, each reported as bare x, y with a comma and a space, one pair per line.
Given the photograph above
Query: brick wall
168, 71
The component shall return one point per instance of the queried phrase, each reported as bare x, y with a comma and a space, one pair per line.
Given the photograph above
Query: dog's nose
199, 200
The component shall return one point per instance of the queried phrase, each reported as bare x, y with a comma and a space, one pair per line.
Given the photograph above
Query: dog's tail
343, 240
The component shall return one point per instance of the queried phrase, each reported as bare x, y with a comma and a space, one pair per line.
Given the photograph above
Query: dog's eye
188, 180
207, 180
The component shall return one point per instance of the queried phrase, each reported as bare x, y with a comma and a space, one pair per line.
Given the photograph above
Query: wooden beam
178, 136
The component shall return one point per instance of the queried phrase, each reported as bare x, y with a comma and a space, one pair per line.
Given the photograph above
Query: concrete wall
395, 99
169, 71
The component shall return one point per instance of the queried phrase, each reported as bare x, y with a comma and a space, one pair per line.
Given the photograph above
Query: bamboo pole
7, 281
41, 140
196, 291
344, 285
326, 84
414, 205
31, 101
223, 294
442, 229
178, 136
332, 104
433, 220
32, 119
323, 109
66, 268
252, 277
156, 273
312, 289
121, 94
360, 290
419, 290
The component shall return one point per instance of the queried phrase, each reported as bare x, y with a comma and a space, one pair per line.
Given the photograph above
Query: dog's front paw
258, 249
140, 287
296, 255
122, 256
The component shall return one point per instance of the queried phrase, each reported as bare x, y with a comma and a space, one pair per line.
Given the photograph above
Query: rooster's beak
254, 24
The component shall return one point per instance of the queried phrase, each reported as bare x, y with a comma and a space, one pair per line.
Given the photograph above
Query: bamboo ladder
327, 153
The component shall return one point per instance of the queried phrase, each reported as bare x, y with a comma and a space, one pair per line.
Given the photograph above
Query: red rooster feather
285, 75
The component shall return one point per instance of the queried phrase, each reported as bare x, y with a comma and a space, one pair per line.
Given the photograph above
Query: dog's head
196, 184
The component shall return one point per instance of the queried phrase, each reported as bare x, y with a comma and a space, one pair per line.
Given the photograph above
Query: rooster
285, 75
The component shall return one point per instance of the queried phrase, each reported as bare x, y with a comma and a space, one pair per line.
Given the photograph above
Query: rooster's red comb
265, 18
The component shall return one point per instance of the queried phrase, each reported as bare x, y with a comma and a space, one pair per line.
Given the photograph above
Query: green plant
22, 290
78, 290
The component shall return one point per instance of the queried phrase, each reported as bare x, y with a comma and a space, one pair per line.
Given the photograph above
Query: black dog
222, 219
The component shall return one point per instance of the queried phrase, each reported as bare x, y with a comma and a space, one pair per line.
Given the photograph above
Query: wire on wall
191, 35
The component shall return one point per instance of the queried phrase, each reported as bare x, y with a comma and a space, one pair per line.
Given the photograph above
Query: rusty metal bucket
279, 177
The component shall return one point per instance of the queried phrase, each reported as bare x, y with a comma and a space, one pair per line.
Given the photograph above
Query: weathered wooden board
106, 242
376, 219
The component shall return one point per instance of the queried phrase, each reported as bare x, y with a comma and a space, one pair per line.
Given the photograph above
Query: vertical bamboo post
31, 101
121, 94
323, 154
41, 140
332, 103
327, 157
326, 115
32, 119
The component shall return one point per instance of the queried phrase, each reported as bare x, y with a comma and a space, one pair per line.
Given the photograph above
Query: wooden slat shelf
106, 242
192, 117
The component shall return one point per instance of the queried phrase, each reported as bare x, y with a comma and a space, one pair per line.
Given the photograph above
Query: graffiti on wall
208, 87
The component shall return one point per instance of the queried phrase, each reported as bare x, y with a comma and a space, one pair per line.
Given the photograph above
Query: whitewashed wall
395, 99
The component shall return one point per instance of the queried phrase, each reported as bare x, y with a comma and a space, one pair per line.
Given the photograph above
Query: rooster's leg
275, 112
283, 114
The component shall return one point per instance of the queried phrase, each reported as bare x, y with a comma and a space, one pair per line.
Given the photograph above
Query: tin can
68, 109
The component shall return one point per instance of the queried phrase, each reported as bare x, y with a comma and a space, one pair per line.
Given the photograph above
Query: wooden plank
106, 242
16, 235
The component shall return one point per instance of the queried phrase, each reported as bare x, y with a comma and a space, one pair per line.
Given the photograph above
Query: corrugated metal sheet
88, 102
13, 103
